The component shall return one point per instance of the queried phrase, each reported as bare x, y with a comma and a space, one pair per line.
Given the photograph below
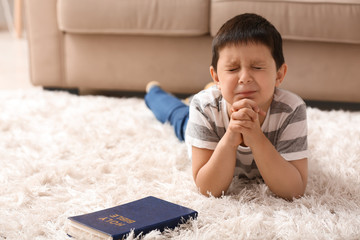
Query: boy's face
247, 71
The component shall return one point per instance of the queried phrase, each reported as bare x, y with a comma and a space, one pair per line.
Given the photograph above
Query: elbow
301, 190
292, 194
299, 194
209, 187
289, 191
208, 192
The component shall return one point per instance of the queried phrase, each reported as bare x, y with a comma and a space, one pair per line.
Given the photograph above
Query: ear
214, 76
280, 75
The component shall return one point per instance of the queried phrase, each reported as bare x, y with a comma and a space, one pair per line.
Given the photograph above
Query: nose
244, 77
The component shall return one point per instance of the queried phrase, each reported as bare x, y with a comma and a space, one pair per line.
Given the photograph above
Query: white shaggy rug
63, 155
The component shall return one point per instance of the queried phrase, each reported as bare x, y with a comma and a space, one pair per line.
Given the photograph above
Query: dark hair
248, 28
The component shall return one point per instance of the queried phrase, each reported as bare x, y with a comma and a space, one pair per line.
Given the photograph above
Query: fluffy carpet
63, 155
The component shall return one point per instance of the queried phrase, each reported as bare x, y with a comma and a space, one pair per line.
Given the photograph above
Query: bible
142, 216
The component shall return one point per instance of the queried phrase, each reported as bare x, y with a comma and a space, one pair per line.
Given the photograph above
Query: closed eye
233, 69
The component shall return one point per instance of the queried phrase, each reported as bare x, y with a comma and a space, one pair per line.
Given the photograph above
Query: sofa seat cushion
149, 17
313, 20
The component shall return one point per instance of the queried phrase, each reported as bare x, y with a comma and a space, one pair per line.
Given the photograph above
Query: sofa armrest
45, 43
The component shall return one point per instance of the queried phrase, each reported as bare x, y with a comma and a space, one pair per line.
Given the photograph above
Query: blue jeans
168, 108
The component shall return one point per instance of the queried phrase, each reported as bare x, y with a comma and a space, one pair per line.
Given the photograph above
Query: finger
262, 112
234, 126
237, 128
245, 125
245, 103
245, 114
241, 127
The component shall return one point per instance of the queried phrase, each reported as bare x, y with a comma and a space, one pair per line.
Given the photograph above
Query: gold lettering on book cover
117, 220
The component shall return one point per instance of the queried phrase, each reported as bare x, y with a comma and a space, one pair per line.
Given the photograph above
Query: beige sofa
123, 44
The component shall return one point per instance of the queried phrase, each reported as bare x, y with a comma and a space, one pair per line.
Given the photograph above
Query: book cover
142, 216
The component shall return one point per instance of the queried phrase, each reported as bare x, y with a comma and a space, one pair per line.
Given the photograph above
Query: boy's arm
287, 179
213, 170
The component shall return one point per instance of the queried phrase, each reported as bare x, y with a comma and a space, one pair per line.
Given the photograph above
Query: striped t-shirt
284, 125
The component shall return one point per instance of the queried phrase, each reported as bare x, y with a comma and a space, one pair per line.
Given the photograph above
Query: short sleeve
292, 142
205, 127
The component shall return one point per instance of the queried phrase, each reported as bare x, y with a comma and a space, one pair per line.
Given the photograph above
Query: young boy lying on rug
244, 125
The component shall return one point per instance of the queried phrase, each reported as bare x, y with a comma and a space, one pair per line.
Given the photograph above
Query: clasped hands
244, 123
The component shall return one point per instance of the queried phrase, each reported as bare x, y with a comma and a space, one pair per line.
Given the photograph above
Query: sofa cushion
314, 20
151, 17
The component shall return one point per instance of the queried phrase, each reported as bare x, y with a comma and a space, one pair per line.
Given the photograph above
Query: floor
14, 64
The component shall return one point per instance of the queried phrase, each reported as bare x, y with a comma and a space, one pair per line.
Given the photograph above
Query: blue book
142, 216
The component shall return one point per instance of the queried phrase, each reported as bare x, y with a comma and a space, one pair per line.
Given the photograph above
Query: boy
244, 125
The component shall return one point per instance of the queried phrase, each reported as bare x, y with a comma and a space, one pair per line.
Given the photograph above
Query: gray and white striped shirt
285, 126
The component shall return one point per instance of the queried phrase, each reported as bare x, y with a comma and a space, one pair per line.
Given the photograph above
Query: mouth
245, 94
